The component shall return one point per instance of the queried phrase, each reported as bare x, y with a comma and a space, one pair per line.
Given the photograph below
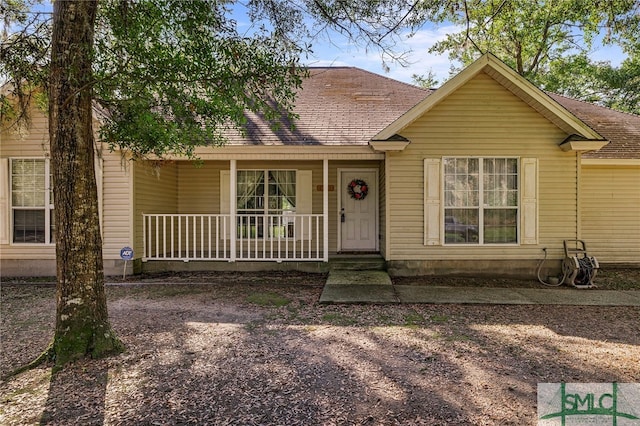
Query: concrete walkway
376, 287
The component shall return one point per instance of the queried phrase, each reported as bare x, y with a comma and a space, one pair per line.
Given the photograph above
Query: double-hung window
480, 200
31, 201
264, 199
266, 191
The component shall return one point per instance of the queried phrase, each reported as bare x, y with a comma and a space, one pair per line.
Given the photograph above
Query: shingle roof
338, 106
621, 129
348, 106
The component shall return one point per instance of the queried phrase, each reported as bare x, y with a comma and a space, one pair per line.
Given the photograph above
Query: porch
268, 210
224, 237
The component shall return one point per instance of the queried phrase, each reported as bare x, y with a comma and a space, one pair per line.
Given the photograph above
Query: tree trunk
82, 323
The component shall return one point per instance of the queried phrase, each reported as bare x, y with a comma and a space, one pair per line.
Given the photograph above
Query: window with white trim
266, 192
31, 201
480, 200
273, 195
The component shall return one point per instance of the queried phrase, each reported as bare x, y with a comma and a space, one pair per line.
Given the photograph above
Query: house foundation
517, 268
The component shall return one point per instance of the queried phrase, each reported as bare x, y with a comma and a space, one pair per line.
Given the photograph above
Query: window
276, 195
31, 201
480, 200
266, 192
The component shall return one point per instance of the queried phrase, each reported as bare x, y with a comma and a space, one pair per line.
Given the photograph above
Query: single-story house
476, 177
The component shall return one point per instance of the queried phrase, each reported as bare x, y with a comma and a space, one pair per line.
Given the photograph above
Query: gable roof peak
508, 78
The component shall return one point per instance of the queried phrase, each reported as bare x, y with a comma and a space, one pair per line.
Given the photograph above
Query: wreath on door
358, 189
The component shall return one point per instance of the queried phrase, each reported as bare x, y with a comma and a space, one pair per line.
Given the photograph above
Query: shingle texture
623, 130
349, 106
338, 106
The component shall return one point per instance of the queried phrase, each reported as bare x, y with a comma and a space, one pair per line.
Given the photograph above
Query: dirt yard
258, 349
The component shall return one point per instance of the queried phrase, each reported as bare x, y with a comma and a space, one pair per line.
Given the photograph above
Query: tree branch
395, 27
468, 28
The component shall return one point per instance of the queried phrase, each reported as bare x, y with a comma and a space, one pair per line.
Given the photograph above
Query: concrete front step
356, 293
354, 277
347, 277
347, 286
368, 263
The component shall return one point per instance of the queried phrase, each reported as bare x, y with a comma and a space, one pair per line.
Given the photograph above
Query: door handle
342, 219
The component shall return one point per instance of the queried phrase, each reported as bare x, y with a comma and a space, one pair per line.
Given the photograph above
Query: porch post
232, 209
325, 207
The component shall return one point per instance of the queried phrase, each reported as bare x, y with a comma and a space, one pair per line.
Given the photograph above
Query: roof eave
394, 143
582, 145
389, 146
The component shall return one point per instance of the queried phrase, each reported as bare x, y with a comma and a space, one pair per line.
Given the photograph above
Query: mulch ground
257, 349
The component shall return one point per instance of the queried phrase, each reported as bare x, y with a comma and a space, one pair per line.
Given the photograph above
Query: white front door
358, 210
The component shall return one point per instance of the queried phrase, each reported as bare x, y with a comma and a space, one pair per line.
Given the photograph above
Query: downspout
580, 144
578, 197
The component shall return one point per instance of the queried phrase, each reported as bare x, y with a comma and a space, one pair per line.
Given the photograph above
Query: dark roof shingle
349, 106
621, 129
338, 106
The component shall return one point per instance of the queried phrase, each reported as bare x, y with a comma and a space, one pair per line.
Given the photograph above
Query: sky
336, 50
339, 52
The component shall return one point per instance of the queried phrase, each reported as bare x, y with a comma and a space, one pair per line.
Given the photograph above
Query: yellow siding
116, 205
199, 186
333, 198
156, 191
33, 142
481, 118
116, 209
610, 212
383, 209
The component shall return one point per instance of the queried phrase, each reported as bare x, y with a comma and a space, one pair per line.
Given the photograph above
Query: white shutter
529, 197
225, 206
5, 191
432, 221
304, 202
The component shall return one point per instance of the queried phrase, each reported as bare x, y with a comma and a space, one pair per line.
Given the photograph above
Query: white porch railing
283, 237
